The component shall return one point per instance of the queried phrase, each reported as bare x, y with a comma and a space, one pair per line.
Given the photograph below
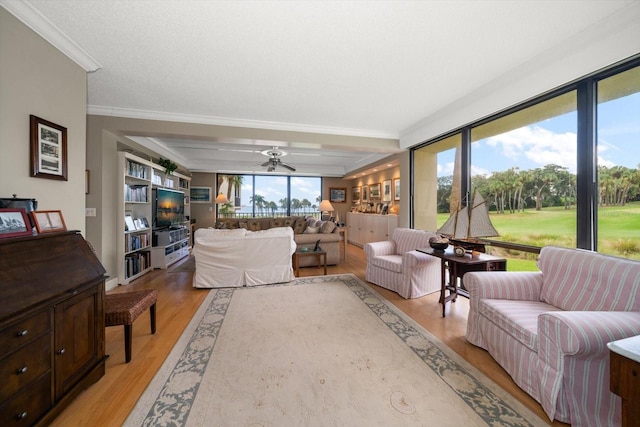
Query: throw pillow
300, 226
276, 222
253, 225
312, 230
327, 227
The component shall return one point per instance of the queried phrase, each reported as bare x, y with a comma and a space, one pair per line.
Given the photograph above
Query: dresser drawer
23, 331
20, 368
25, 408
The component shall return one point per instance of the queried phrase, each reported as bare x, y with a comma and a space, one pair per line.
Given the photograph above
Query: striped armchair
549, 329
396, 265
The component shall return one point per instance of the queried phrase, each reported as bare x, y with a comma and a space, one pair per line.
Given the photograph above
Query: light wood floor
109, 401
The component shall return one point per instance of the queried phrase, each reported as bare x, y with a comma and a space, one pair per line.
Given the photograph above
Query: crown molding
32, 18
223, 121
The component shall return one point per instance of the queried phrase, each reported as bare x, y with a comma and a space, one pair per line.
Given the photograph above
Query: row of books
135, 263
134, 242
137, 170
136, 193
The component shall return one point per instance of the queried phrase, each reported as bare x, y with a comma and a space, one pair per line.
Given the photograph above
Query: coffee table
457, 267
320, 255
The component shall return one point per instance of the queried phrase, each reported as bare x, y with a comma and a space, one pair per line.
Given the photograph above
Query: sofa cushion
519, 319
388, 262
276, 222
253, 225
327, 227
299, 226
312, 230
580, 280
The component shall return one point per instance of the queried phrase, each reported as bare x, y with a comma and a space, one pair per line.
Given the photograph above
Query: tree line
515, 190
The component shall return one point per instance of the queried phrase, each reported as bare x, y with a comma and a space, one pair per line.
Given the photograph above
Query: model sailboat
469, 223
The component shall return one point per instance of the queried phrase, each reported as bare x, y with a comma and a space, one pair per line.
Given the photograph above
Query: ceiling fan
274, 160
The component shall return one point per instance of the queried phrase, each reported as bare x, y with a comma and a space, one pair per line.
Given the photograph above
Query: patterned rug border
492, 404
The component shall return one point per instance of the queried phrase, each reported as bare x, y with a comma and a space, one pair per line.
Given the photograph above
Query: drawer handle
22, 370
61, 351
22, 415
23, 333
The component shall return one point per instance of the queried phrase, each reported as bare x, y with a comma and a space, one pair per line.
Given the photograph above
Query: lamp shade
221, 199
325, 205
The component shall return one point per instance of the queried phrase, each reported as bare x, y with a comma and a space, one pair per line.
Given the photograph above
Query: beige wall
35, 78
402, 172
341, 209
204, 213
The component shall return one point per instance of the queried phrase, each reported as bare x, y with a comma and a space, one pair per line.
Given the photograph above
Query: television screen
169, 207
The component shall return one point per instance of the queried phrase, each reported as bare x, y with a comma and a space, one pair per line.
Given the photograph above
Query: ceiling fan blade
267, 163
291, 168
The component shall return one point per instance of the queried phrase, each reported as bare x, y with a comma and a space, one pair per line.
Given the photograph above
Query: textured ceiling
355, 68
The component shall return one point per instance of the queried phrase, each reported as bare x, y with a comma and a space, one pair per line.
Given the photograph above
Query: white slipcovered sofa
396, 265
235, 258
549, 329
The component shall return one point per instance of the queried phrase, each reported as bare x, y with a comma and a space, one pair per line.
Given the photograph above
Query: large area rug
319, 351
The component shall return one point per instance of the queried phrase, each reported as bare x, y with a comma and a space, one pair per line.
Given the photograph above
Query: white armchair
396, 265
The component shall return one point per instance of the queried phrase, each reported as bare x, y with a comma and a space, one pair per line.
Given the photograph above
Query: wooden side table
458, 266
624, 379
343, 233
321, 256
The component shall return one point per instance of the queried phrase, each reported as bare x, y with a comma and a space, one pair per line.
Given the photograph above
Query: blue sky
554, 141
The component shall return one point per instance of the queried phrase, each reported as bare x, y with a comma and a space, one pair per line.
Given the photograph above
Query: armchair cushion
574, 282
389, 262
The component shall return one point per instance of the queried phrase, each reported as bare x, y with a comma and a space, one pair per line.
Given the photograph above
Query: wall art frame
48, 146
200, 194
374, 191
386, 190
338, 195
355, 194
396, 189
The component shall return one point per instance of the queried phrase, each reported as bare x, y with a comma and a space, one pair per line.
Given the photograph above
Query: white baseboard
111, 284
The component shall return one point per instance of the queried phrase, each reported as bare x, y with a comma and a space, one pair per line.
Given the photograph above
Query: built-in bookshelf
134, 217
138, 178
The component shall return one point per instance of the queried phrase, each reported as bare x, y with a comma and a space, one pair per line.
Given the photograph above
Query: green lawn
618, 231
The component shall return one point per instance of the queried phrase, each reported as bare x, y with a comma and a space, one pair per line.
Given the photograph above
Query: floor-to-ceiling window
618, 159
524, 165
550, 169
270, 195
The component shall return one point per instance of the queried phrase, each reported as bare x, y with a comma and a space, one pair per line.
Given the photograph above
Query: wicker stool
124, 309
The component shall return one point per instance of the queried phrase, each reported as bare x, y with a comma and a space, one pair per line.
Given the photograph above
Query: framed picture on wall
48, 149
355, 194
386, 190
396, 189
374, 191
200, 194
337, 195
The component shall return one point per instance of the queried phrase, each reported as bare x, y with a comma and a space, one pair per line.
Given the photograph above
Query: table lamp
325, 208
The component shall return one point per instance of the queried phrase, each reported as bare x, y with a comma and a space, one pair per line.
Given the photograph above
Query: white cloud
538, 145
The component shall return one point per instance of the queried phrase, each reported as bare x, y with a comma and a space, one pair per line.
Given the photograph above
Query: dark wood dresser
51, 325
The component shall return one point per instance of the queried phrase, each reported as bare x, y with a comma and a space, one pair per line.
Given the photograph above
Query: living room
60, 91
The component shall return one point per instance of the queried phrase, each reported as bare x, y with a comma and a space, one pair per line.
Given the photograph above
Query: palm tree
258, 202
305, 203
